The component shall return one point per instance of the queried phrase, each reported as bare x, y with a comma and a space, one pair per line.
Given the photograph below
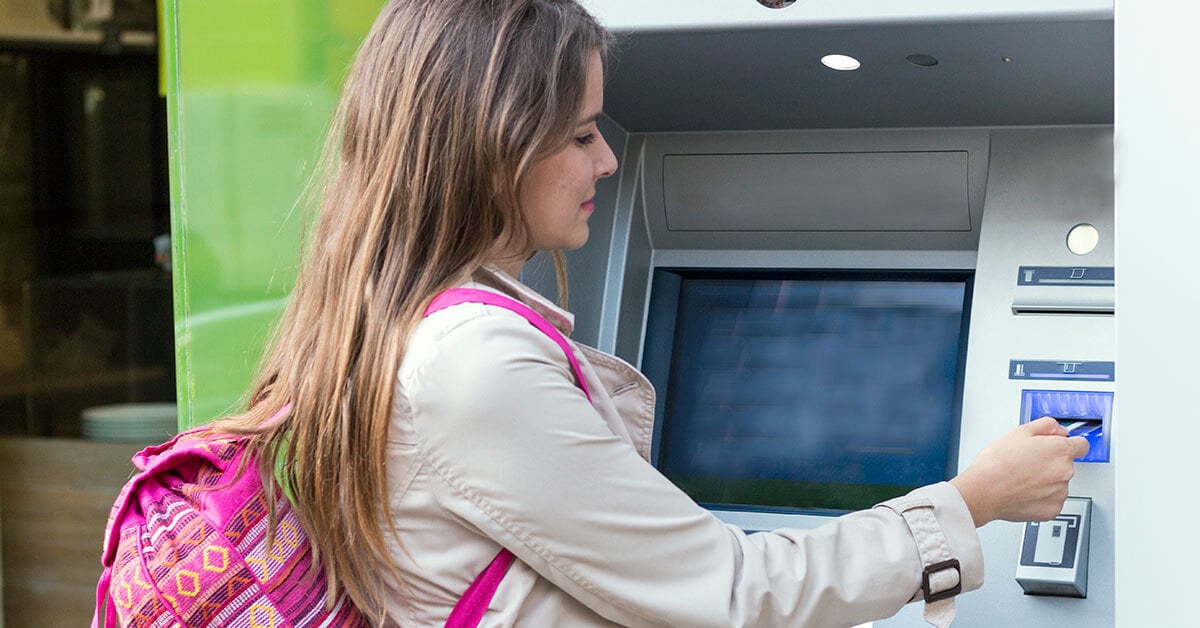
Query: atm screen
806, 391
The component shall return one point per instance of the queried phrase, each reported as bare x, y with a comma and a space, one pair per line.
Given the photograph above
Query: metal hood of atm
737, 137
731, 65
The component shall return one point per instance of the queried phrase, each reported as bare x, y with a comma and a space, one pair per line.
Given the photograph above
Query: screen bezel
658, 351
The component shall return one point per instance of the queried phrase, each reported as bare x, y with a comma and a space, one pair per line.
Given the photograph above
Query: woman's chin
575, 242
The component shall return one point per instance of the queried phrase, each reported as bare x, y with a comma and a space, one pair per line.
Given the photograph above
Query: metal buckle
941, 595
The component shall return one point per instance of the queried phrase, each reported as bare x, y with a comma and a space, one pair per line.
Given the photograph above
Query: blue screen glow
816, 393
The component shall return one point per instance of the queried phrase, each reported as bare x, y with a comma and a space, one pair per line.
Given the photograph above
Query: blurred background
90, 301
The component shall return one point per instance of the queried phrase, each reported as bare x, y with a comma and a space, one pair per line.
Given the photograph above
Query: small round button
1082, 239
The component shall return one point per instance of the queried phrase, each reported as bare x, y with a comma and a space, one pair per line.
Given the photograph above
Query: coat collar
492, 276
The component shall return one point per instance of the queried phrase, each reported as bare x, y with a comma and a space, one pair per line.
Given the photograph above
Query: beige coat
494, 445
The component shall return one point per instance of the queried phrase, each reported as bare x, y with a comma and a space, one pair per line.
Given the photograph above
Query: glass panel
250, 99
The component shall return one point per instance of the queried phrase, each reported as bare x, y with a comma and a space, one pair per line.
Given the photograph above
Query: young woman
415, 448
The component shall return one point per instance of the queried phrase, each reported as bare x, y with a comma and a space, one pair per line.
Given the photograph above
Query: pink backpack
177, 553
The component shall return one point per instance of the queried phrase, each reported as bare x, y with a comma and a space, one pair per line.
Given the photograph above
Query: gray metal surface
1041, 183
1059, 71
671, 203
818, 191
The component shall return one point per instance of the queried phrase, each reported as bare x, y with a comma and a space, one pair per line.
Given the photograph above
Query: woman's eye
586, 139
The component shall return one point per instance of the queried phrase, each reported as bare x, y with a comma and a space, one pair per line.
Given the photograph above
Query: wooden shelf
11, 387
84, 41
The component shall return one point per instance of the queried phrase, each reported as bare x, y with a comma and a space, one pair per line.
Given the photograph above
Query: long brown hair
446, 108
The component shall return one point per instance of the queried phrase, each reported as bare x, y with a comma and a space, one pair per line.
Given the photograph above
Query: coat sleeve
497, 415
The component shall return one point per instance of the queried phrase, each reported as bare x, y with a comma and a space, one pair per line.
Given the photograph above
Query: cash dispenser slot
1083, 413
1066, 291
1098, 303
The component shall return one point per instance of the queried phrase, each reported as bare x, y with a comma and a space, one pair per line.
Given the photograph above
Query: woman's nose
607, 165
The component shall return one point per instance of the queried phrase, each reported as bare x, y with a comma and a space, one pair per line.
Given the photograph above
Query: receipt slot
1082, 413
1054, 554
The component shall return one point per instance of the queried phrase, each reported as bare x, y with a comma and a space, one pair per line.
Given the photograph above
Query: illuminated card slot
1086, 414
1084, 428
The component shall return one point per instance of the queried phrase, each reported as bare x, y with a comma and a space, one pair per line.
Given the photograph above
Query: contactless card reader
1054, 554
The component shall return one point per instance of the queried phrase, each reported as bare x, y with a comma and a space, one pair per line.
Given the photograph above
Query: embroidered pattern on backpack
188, 555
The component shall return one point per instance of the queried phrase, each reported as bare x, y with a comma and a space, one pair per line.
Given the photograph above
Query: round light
840, 62
925, 61
1082, 239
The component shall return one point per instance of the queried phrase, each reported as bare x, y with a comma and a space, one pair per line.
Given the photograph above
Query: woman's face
556, 196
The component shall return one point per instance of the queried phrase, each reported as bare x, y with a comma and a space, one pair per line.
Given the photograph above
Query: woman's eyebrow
590, 119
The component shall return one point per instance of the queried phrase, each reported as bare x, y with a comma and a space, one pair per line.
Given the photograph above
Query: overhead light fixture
840, 62
777, 4
925, 61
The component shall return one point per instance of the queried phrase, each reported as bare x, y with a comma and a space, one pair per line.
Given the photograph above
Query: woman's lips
588, 205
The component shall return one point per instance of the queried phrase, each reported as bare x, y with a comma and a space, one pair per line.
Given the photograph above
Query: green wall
251, 85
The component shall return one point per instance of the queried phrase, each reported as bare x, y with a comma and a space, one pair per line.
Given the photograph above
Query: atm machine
844, 284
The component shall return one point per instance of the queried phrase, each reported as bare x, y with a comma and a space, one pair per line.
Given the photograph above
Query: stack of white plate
131, 422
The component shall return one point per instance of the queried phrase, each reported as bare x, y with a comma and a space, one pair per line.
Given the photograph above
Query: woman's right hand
1023, 475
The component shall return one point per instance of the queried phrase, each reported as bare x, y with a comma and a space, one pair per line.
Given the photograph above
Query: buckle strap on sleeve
941, 578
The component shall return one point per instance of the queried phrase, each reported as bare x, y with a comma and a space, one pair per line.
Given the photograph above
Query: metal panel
668, 15
728, 195
989, 73
869, 191
1042, 183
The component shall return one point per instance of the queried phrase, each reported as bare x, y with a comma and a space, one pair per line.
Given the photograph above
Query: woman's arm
498, 417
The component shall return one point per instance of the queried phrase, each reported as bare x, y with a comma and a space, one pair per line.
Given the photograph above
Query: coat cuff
953, 522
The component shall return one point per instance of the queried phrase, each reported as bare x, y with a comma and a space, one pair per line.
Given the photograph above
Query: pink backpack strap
103, 601
471, 606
